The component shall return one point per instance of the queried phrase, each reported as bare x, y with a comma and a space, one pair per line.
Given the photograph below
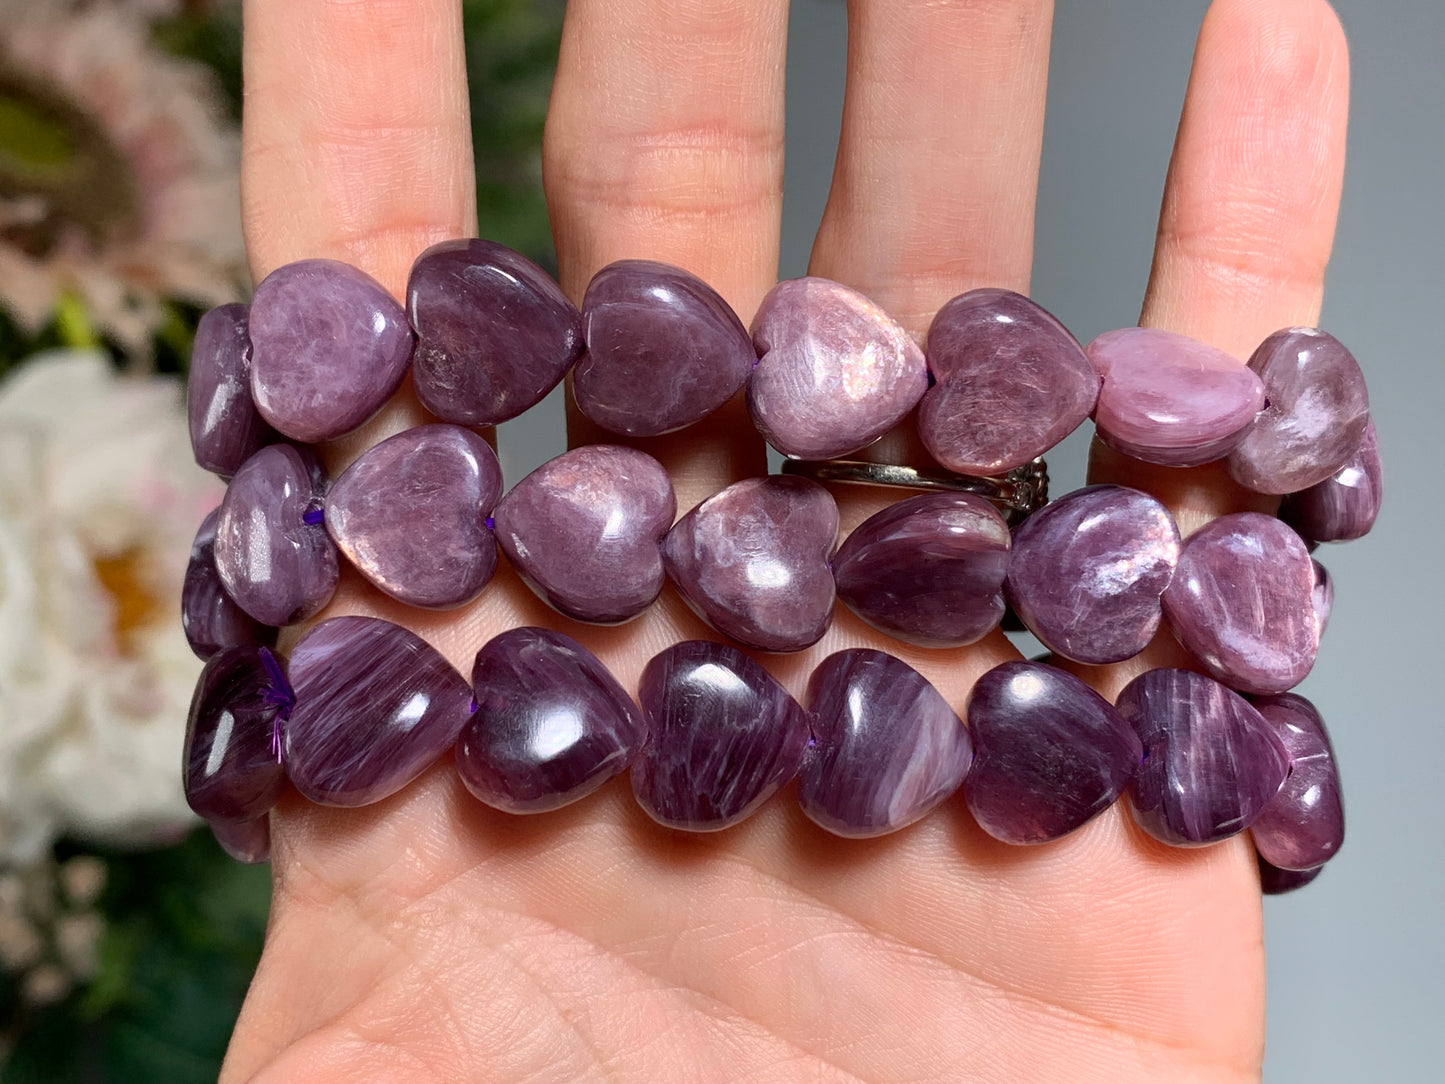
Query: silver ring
1018, 493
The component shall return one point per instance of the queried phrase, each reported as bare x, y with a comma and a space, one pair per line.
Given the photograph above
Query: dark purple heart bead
1049, 753
210, 617
723, 736
752, 561
272, 551
928, 570
245, 841
1211, 763
1012, 383
1088, 570
1242, 602
1303, 825
375, 706
328, 347
664, 349
1314, 417
585, 530
232, 757
887, 747
835, 372
1323, 596
494, 333
1276, 882
1170, 399
1344, 505
226, 428
411, 515
551, 725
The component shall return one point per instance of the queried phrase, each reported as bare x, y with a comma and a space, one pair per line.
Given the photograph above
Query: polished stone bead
1170, 399
1344, 505
1276, 882
276, 561
664, 349
1088, 570
411, 515
494, 333
1323, 595
752, 561
1303, 825
1242, 602
232, 757
1049, 753
226, 428
1314, 417
928, 570
1211, 763
210, 617
375, 706
551, 725
329, 346
887, 747
723, 736
835, 371
245, 841
585, 531
1012, 383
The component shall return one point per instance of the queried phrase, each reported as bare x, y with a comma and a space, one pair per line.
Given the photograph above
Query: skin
429, 939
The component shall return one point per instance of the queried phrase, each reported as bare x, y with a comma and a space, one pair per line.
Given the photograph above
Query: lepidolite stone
1323, 596
1315, 414
752, 561
210, 617
887, 746
1012, 383
1274, 881
551, 725
1088, 569
835, 371
585, 531
1242, 603
232, 755
411, 515
226, 428
1344, 505
494, 333
664, 349
928, 570
1211, 763
328, 347
1049, 753
375, 706
723, 736
245, 841
278, 566
1303, 825
1170, 399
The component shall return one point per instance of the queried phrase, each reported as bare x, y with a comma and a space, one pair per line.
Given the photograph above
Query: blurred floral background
126, 936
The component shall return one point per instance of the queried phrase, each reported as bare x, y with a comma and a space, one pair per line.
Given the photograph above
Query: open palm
431, 939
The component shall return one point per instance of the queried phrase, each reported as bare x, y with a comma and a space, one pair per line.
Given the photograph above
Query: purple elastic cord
314, 516
279, 691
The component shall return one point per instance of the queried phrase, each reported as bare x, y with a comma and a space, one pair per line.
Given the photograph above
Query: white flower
99, 500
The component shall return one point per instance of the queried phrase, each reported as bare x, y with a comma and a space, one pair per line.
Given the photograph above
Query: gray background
1357, 960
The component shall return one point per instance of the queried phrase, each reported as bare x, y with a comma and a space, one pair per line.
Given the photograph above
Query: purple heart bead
1049, 753
411, 515
584, 531
1344, 505
835, 372
1303, 825
375, 706
1170, 399
1242, 603
928, 570
1211, 763
1314, 417
551, 725
232, 756
245, 841
752, 561
210, 617
723, 736
494, 333
226, 429
1088, 570
664, 350
1012, 383
1274, 881
887, 748
328, 347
